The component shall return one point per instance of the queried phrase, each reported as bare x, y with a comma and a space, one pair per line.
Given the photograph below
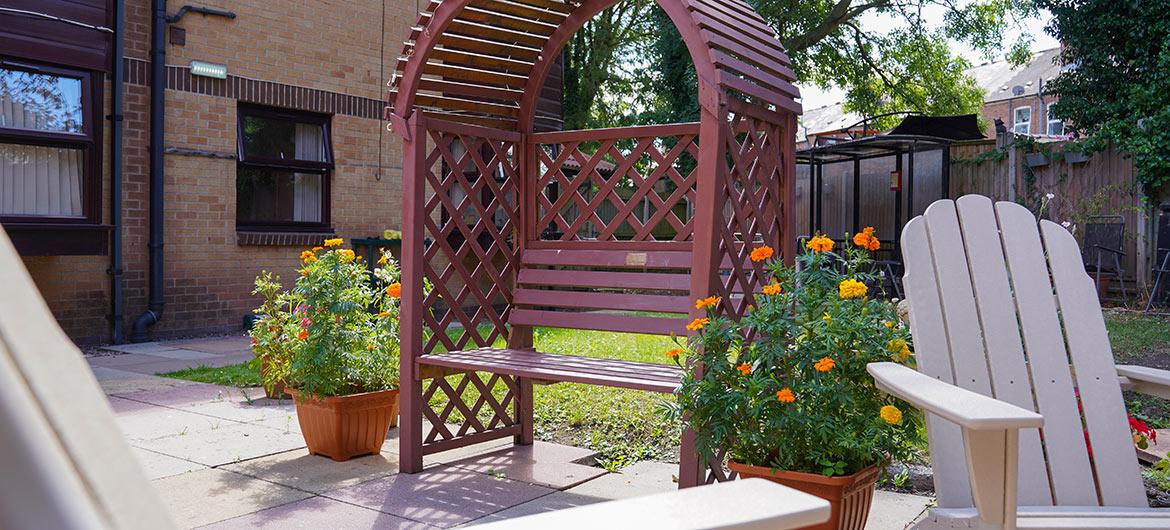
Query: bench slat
599, 321
667, 259
565, 368
606, 279
596, 300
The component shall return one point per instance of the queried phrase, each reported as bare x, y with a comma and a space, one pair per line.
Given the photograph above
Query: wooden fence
1102, 185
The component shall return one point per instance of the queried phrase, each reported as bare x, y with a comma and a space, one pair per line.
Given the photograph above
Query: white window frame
1051, 121
1026, 125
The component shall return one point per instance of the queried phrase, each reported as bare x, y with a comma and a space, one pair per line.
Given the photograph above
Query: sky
815, 97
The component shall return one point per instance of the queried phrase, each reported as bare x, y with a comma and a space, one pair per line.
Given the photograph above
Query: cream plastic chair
64, 463
1008, 333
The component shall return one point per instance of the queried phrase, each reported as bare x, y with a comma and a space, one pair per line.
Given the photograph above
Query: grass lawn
625, 426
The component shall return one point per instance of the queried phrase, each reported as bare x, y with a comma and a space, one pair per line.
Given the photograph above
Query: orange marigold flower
698, 323
785, 395
772, 289
394, 290
370, 347
673, 354
850, 288
304, 334
382, 260
384, 314
318, 249
762, 253
865, 239
820, 244
335, 242
710, 301
347, 255
744, 369
308, 256
825, 364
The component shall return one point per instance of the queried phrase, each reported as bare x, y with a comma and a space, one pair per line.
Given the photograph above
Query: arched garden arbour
613, 229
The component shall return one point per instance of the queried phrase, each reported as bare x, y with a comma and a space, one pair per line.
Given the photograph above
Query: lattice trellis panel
751, 207
471, 215
619, 189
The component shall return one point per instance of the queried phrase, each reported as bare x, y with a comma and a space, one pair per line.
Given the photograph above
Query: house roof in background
995, 78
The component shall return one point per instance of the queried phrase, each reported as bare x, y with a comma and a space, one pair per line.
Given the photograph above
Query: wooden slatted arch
483, 62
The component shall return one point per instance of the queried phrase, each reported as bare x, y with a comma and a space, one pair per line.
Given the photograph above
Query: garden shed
612, 230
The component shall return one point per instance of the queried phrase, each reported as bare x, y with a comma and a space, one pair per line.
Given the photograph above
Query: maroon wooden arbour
605, 229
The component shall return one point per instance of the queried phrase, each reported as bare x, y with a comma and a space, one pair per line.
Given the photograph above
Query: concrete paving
229, 458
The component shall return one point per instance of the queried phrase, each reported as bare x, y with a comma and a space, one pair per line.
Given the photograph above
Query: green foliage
1119, 76
336, 332
904, 62
798, 396
1159, 473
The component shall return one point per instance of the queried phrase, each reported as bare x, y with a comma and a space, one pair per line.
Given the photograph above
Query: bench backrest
598, 289
1003, 307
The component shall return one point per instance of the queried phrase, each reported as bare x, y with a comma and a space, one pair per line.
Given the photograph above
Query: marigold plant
335, 332
786, 386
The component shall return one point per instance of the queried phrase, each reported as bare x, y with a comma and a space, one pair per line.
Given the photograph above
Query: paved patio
223, 457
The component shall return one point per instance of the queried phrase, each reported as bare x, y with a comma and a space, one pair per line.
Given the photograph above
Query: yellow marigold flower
698, 323
382, 260
850, 288
673, 354
825, 364
762, 253
889, 324
308, 256
772, 289
710, 301
827, 318
335, 242
370, 347
394, 290
304, 272
744, 369
785, 395
318, 249
384, 314
820, 244
896, 345
891, 415
347, 255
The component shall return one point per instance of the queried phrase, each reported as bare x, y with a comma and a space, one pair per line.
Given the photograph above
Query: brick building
284, 149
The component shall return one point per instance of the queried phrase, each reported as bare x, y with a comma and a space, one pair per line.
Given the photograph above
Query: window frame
1048, 121
324, 168
89, 141
1016, 123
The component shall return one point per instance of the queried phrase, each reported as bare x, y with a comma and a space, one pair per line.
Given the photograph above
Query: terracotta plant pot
343, 427
849, 496
278, 391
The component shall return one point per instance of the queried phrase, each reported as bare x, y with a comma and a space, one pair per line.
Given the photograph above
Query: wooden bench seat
553, 368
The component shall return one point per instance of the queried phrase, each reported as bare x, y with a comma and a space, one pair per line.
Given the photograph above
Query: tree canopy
1116, 84
899, 59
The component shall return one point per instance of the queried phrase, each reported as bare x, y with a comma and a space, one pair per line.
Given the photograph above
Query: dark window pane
40, 102
265, 195
275, 138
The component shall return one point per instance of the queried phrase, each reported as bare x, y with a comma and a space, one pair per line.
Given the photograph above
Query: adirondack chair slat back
1002, 306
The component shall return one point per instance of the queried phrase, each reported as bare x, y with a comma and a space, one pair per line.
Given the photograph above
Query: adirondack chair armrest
963, 407
1149, 381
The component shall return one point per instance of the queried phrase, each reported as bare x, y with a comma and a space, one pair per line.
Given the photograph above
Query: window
1055, 125
48, 139
282, 181
1022, 120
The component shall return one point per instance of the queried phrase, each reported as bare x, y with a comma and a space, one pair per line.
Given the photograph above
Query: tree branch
841, 13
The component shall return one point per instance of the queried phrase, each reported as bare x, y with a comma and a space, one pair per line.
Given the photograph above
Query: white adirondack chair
1007, 332
63, 461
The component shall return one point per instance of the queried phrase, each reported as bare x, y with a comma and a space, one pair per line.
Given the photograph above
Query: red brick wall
337, 48
1004, 110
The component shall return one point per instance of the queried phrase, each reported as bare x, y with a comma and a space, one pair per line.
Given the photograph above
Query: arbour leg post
410, 454
691, 469
524, 411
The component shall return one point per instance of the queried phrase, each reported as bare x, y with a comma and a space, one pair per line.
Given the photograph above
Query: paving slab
243, 407
895, 511
443, 496
157, 465
105, 373
317, 474
212, 495
141, 347
190, 393
122, 359
142, 383
151, 422
220, 345
226, 444
559, 500
173, 365
184, 355
319, 512
547, 464
643, 478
